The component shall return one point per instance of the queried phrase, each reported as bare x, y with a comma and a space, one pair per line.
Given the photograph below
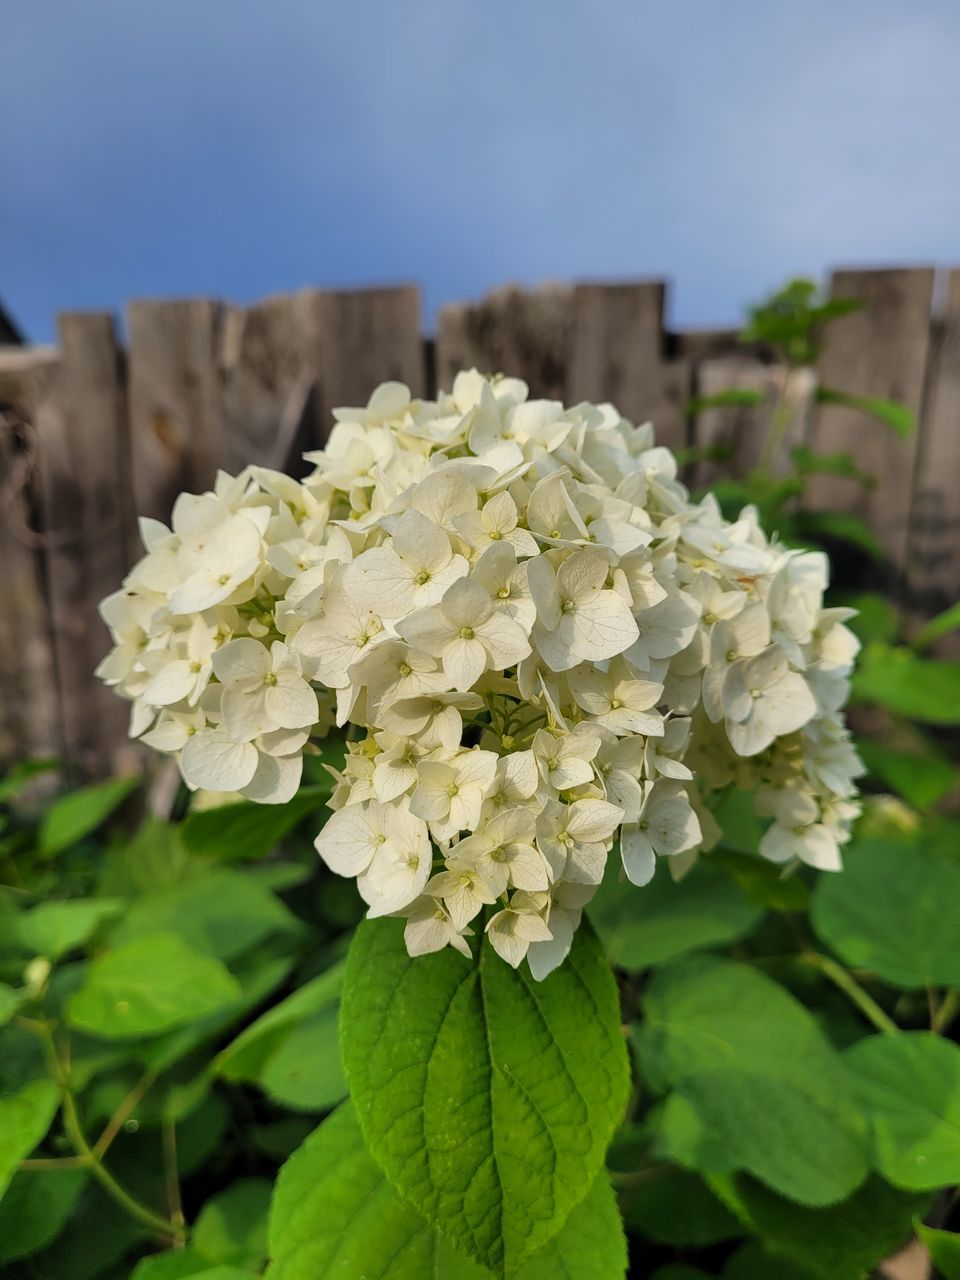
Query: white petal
639, 859
213, 761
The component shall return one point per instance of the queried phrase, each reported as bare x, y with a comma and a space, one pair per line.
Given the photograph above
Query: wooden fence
93, 432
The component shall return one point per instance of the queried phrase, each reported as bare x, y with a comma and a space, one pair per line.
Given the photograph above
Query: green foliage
54, 928
25, 1117
919, 688
668, 919
890, 412
944, 1247
80, 812
333, 1206
489, 1099
752, 1082
908, 1086
895, 911
793, 321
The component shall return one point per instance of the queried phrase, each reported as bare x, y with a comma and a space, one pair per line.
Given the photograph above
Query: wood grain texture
176, 428
361, 338
29, 704
880, 350
522, 333
933, 563
87, 522
618, 353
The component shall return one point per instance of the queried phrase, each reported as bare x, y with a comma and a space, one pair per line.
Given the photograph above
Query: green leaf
733, 397
54, 928
920, 688
895, 910
921, 779
674, 1206
944, 1249
839, 526
909, 1088
488, 1098
10, 1001
752, 1262
245, 831
334, 1213
223, 914
830, 464
305, 1072
892, 413
232, 1227
75, 815
756, 1085
34, 1210
25, 1117
175, 1264
247, 1056
154, 859
763, 882
938, 627
840, 1242
876, 618
16, 778
666, 918
150, 985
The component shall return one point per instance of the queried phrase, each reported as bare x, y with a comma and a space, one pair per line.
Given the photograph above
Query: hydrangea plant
541, 647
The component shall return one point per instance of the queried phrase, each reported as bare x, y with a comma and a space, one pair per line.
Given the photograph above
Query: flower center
422, 578
466, 633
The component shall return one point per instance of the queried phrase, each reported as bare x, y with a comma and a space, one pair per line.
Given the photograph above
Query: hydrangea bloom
543, 648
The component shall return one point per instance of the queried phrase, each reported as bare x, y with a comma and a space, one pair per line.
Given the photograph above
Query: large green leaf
488, 1098
151, 984
222, 914
75, 815
34, 1209
839, 1242
895, 910
909, 1088
922, 779
938, 627
752, 1262
334, 1213
25, 1117
892, 413
54, 928
666, 918
921, 688
245, 831
755, 1084
305, 1072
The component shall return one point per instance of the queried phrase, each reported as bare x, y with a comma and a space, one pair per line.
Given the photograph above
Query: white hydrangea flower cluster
540, 643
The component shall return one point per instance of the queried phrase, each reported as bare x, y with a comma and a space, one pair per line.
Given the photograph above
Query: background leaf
25, 1117
150, 985
75, 815
756, 1085
54, 928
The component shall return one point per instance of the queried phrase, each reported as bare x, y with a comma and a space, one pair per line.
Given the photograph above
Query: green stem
86, 1153
779, 422
949, 1008
852, 989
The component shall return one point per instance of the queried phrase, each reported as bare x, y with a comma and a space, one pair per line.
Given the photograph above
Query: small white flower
764, 700
450, 796
574, 838
512, 930
410, 572
578, 618
667, 826
263, 689
496, 524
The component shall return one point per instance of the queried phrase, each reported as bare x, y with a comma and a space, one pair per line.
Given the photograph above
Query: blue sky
241, 147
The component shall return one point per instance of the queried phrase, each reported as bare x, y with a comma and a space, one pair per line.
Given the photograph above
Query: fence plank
364, 337
176, 430
522, 333
29, 709
85, 515
933, 567
267, 361
880, 350
618, 354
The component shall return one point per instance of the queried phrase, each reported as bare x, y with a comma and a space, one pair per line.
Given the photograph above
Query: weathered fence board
880, 350
525, 334
87, 521
175, 424
933, 563
618, 354
29, 702
87, 437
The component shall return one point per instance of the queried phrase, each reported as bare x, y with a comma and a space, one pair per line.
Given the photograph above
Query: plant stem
948, 1010
171, 1177
122, 1114
852, 989
87, 1155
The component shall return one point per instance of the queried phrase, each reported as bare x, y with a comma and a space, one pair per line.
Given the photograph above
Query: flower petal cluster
543, 648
